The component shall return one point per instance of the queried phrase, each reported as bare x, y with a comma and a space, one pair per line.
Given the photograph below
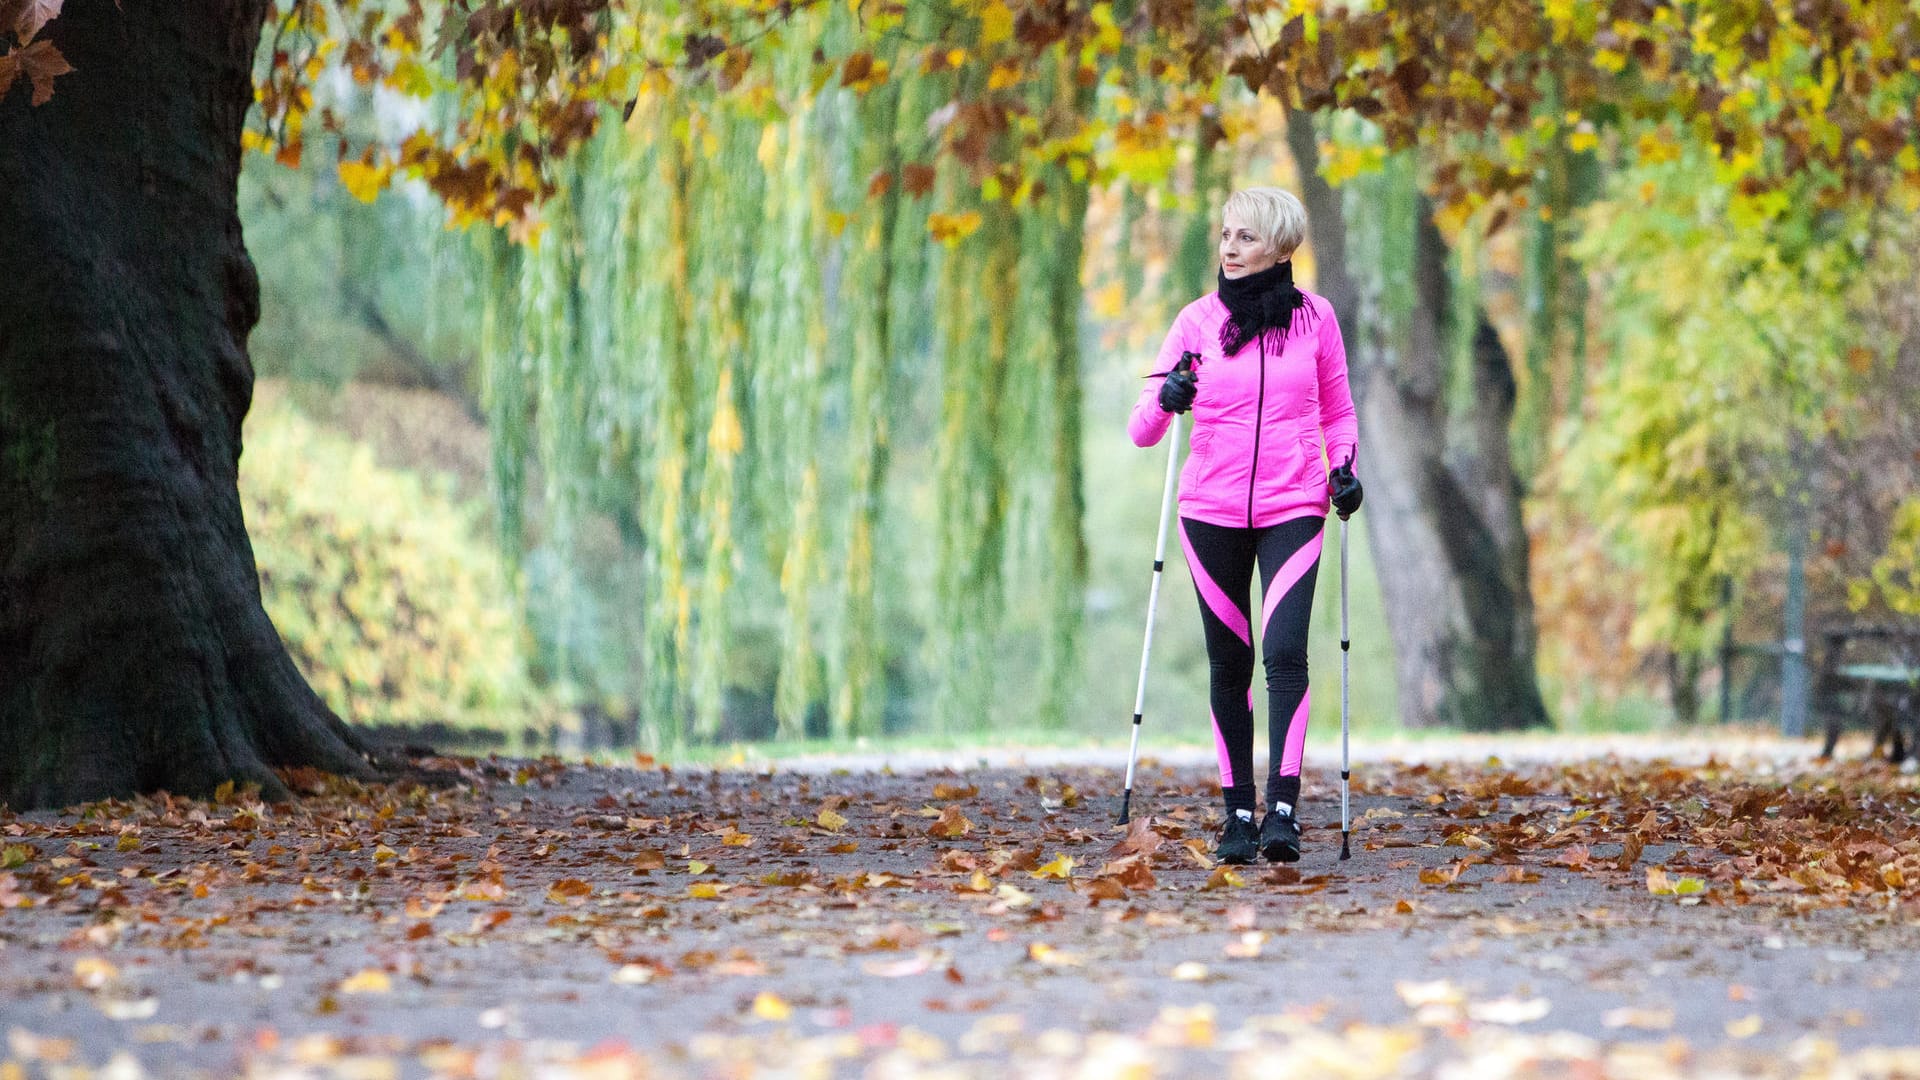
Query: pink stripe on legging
1220, 748
1290, 574
1296, 739
1223, 608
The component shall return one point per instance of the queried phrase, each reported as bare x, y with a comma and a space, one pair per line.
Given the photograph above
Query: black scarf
1258, 303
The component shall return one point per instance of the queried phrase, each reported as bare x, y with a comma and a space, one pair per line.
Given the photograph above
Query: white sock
1283, 808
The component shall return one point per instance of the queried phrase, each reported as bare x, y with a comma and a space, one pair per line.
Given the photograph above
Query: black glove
1346, 489
1176, 394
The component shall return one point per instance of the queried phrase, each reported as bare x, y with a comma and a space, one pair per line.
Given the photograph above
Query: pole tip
1124, 801
1345, 854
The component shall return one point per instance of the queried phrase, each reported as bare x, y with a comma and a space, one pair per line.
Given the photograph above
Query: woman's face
1242, 252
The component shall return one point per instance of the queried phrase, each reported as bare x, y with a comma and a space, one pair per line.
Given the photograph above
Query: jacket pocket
1313, 475
1201, 454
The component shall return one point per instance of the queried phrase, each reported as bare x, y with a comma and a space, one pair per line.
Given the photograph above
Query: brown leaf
1575, 858
951, 825
1131, 871
1141, 839
1103, 888
28, 16
40, 62
917, 179
1630, 850
568, 889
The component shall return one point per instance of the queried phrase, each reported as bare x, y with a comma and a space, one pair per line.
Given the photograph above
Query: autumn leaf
768, 1005
1043, 953
488, 920
364, 180
28, 16
1630, 850
1223, 877
1659, 884
918, 179
950, 229
1061, 866
1130, 871
567, 889
1141, 839
830, 820
367, 981
951, 825
40, 62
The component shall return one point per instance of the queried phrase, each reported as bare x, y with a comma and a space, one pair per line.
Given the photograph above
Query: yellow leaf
92, 972
996, 23
698, 867
367, 981
364, 181
831, 821
704, 890
769, 1006
1223, 877
1050, 956
1060, 867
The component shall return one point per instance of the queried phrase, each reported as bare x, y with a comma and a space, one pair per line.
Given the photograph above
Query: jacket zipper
1259, 421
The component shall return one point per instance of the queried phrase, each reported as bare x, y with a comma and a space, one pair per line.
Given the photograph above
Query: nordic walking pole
1346, 772
1153, 594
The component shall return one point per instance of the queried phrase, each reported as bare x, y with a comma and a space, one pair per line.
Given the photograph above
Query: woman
1268, 383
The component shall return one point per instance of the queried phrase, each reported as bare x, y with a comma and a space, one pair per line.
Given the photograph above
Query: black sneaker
1280, 837
1239, 841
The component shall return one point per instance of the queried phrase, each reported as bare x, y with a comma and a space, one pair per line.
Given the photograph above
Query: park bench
1871, 672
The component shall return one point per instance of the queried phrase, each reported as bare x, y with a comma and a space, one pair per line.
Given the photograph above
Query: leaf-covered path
1640, 917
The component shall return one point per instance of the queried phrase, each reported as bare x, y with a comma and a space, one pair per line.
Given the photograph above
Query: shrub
391, 603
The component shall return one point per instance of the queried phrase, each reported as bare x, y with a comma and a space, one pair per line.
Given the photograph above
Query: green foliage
1732, 320
394, 608
1896, 574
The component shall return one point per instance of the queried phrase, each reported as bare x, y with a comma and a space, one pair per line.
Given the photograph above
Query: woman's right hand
1177, 392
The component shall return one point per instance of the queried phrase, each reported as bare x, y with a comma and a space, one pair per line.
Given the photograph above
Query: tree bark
134, 652
1443, 508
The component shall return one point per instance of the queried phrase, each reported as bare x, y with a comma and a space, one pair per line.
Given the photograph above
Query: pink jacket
1257, 424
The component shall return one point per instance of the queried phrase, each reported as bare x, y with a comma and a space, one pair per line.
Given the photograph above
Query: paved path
552, 921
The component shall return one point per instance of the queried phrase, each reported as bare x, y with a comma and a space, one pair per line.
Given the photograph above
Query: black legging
1222, 559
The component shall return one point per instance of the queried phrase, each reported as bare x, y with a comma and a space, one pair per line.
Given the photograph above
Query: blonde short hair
1274, 214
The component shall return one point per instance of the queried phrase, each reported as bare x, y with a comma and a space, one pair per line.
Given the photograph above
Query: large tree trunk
134, 652
1443, 509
